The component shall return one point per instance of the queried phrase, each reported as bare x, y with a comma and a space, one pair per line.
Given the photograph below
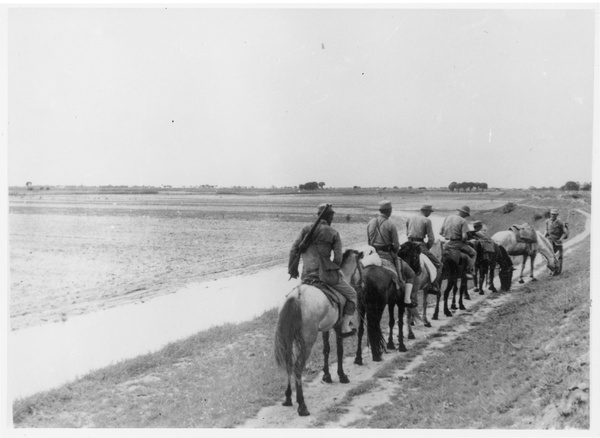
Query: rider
418, 227
382, 235
455, 229
557, 231
479, 232
325, 240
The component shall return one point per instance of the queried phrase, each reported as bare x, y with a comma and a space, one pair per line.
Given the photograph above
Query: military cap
477, 224
427, 207
322, 207
465, 209
385, 205
554, 211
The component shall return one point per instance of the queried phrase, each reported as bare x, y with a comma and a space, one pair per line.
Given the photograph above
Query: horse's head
410, 252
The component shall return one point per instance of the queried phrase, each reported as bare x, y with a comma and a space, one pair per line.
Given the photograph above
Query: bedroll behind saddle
524, 233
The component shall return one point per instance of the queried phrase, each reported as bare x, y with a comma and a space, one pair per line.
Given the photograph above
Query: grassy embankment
528, 356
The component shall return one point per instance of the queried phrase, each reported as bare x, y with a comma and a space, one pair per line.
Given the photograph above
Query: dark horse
306, 312
485, 266
454, 268
378, 290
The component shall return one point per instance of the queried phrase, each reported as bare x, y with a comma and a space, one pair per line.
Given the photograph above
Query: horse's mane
545, 242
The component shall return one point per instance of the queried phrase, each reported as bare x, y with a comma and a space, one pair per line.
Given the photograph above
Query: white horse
508, 240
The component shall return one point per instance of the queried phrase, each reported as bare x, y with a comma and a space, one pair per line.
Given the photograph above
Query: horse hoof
358, 361
476, 289
287, 403
402, 349
448, 314
435, 317
534, 279
427, 324
521, 281
391, 346
453, 307
411, 336
327, 378
377, 358
303, 412
481, 292
344, 379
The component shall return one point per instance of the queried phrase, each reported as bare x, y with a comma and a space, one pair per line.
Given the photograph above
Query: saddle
524, 233
454, 254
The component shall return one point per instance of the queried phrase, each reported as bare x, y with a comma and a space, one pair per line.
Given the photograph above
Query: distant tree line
313, 185
574, 186
464, 186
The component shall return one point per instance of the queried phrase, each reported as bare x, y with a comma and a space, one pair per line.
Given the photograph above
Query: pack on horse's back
524, 233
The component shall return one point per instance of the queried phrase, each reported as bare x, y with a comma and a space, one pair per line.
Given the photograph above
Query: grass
526, 366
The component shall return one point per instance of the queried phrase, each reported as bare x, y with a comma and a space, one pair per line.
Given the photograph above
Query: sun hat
385, 205
554, 211
465, 209
323, 206
427, 207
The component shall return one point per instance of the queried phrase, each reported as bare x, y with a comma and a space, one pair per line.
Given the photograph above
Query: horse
454, 268
485, 267
508, 240
306, 312
378, 290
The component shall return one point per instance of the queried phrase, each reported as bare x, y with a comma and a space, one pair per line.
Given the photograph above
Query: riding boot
346, 331
408, 287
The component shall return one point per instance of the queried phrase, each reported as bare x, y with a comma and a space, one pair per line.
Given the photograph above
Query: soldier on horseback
316, 260
418, 228
456, 230
382, 235
557, 231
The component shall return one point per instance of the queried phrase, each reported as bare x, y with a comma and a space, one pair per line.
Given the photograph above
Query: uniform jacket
555, 230
325, 240
419, 227
382, 232
455, 227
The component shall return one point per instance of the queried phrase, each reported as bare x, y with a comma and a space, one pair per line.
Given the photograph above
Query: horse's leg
532, 260
447, 294
477, 277
482, 277
463, 291
288, 393
326, 350
391, 322
401, 346
410, 321
302, 409
522, 269
454, 290
374, 329
425, 296
358, 360
339, 342
491, 277
436, 312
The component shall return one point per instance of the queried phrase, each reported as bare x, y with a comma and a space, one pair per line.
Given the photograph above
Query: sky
280, 96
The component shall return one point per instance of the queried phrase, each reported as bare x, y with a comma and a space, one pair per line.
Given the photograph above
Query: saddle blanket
335, 298
426, 263
370, 256
488, 246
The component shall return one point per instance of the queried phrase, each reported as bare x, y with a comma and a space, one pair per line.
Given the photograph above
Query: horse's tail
289, 339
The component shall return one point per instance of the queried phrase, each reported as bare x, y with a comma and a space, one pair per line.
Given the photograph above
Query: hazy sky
283, 96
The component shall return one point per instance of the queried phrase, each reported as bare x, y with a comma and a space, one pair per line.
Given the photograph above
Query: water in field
47, 356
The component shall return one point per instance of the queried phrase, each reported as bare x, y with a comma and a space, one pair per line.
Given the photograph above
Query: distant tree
483, 186
322, 185
571, 185
586, 186
29, 185
453, 185
313, 185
